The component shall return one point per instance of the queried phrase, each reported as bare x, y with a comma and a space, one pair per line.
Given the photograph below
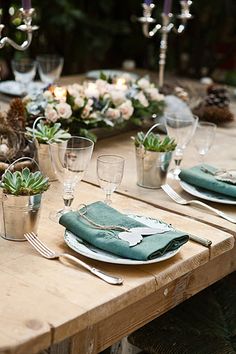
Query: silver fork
49, 254
178, 199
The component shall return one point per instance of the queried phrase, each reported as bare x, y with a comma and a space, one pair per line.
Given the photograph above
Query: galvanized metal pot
18, 215
44, 161
152, 167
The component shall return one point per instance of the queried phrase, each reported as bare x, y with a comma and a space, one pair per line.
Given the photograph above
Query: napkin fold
199, 178
151, 246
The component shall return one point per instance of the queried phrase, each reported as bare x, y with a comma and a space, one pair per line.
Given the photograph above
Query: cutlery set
133, 236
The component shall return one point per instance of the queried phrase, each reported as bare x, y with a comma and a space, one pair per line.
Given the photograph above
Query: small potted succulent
153, 156
44, 135
21, 199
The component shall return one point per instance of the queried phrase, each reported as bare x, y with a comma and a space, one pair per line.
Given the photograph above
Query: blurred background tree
102, 34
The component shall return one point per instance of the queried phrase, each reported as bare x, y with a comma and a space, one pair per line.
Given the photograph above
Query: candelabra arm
149, 34
26, 15
20, 47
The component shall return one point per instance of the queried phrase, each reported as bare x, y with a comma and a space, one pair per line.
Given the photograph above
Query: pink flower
51, 114
113, 113
87, 109
64, 110
79, 101
126, 109
91, 91
154, 94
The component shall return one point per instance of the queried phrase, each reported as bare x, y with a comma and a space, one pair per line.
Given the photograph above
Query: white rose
143, 83
64, 110
75, 89
154, 94
91, 91
102, 86
117, 97
113, 113
142, 99
79, 101
51, 114
48, 95
126, 109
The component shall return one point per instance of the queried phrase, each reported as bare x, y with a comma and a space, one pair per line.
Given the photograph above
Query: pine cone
213, 114
217, 96
16, 114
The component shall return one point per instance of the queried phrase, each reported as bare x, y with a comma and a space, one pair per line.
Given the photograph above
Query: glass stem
108, 198
68, 196
178, 159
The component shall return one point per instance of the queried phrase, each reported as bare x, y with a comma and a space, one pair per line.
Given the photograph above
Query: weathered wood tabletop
45, 302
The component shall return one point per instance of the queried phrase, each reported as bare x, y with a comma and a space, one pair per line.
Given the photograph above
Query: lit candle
26, 4
60, 93
167, 7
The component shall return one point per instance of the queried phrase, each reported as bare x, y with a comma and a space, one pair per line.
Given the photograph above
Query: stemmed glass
110, 169
204, 137
24, 71
49, 68
182, 130
70, 160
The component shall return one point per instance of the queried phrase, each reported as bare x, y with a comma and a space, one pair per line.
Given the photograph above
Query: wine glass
24, 71
49, 68
204, 137
110, 169
70, 160
182, 130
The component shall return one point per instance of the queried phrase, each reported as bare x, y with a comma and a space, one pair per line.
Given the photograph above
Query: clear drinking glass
110, 169
49, 68
182, 130
24, 71
204, 137
70, 160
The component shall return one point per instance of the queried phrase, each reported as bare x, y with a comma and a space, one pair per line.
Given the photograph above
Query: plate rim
187, 187
121, 261
13, 82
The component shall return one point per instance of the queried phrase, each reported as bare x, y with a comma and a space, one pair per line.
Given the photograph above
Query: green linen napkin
199, 178
151, 246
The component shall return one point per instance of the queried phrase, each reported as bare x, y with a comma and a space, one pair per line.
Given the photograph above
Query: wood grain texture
47, 302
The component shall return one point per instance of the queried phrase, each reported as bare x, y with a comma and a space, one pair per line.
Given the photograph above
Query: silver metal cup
18, 215
152, 167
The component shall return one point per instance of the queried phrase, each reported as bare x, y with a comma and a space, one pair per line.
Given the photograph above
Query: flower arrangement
104, 103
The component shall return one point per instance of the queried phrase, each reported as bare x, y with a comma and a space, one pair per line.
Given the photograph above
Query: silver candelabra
165, 28
26, 15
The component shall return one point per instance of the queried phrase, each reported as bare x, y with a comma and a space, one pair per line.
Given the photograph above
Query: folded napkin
199, 178
151, 246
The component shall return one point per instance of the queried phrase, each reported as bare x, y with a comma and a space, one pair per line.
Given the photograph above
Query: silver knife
203, 241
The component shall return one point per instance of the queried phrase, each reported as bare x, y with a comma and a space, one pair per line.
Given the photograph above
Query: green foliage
24, 183
46, 134
153, 142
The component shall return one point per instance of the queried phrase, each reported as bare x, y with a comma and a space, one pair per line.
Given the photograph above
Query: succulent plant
153, 142
24, 182
46, 134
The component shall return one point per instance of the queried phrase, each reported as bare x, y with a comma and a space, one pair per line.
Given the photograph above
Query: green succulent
24, 182
46, 134
153, 142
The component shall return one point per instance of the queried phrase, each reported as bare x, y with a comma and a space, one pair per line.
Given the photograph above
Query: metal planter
152, 167
18, 215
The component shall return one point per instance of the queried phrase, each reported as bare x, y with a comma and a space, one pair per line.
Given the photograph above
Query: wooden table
43, 303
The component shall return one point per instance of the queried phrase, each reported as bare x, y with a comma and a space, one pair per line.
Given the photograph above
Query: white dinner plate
206, 194
14, 88
95, 74
87, 250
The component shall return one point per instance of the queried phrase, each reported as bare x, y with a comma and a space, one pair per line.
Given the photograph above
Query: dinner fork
178, 199
50, 254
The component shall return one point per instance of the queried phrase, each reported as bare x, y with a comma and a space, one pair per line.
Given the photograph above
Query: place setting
204, 181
